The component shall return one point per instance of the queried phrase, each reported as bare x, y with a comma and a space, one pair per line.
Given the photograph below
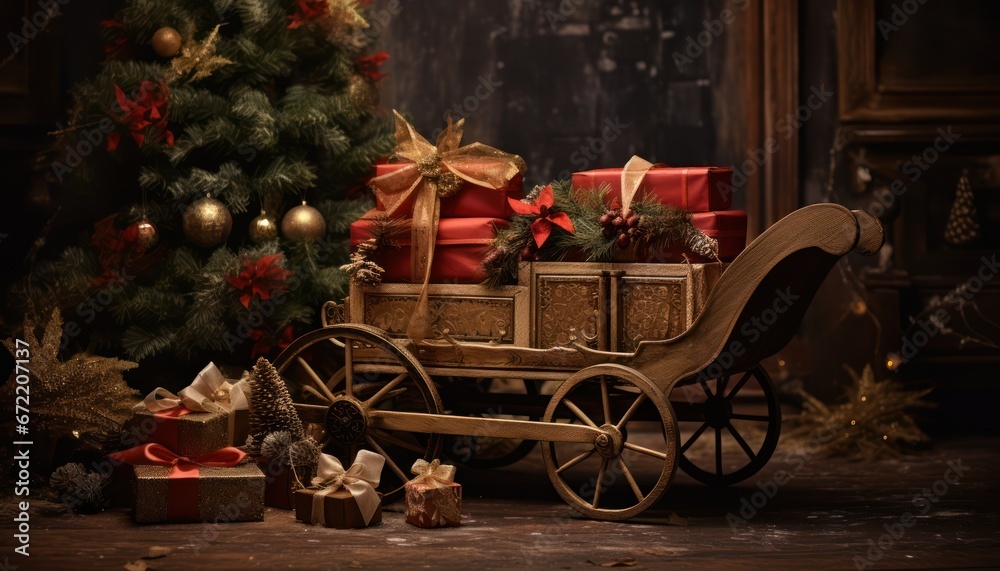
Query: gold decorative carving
651, 311
566, 303
464, 318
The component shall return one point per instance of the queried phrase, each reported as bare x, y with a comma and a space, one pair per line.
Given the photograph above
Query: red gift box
472, 201
458, 253
695, 189
729, 227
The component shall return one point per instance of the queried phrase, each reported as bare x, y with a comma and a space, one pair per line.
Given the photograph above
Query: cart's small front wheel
631, 462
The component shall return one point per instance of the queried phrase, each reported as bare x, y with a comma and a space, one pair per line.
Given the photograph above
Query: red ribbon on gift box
182, 480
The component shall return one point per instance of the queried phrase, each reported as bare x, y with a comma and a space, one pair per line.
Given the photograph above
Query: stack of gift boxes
470, 216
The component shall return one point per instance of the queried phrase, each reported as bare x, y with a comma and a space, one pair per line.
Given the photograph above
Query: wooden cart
614, 408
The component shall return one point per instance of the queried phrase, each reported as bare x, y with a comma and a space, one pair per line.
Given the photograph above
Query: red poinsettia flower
368, 66
265, 341
148, 109
116, 42
541, 226
118, 251
308, 11
262, 277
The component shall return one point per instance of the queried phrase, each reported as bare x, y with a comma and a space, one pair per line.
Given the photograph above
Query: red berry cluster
624, 225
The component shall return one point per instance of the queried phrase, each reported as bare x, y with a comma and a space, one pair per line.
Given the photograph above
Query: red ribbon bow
182, 480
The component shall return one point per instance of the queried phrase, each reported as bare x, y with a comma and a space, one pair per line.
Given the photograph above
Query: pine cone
64, 479
304, 453
700, 243
271, 407
276, 446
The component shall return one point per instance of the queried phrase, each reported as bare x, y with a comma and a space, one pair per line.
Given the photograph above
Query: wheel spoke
743, 443
605, 400
718, 452
392, 465
393, 439
631, 480
721, 387
579, 413
576, 460
646, 451
335, 379
631, 410
315, 393
754, 417
315, 379
697, 433
739, 385
600, 482
349, 367
375, 398
704, 385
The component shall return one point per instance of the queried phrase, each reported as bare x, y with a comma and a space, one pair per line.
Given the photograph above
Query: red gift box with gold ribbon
459, 249
694, 189
470, 201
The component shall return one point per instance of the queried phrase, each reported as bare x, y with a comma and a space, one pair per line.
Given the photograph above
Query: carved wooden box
610, 307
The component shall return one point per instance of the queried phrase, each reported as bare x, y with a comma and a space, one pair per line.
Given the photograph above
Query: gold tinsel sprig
84, 396
197, 60
876, 419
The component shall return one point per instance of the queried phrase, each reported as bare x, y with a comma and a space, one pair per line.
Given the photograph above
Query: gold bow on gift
438, 171
434, 475
635, 170
360, 479
209, 392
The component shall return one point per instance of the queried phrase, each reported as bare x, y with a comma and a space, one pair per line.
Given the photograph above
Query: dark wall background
561, 76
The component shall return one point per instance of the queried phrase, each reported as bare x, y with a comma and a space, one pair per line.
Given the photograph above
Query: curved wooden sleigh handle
760, 299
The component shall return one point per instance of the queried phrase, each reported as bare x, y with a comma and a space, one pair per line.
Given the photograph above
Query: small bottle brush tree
206, 114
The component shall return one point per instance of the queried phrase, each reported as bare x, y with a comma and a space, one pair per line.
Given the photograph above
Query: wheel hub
718, 411
346, 421
610, 442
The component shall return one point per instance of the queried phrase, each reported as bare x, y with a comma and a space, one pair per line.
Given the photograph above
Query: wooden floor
830, 515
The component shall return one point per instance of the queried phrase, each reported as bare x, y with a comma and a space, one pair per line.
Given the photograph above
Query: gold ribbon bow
435, 475
360, 480
635, 170
437, 171
209, 392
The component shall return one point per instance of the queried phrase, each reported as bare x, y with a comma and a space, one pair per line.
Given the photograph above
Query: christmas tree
231, 134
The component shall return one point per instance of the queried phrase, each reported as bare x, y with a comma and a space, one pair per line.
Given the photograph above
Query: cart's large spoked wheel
337, 374
737, 430
630, 464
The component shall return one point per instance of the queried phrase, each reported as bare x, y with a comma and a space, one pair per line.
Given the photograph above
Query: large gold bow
360, 479
432, 474
209, 392
437, 171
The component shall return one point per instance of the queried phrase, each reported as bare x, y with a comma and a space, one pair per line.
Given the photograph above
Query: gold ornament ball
263, 228
146, 234
207, 222
303, 223
362, 91
166, 42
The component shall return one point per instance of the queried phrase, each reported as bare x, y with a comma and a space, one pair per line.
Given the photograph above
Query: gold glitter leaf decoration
197, 58
85, 395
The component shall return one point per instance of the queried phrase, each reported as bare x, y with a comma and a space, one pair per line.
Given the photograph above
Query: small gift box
694, 189
470, 201
458, 252
217, 487
433, 499
282, 482
343, 499
209, 414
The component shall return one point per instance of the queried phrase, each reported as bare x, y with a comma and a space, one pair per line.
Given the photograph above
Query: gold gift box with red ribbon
218, 487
